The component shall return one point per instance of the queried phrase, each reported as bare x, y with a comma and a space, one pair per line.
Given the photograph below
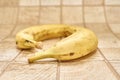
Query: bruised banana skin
79, 41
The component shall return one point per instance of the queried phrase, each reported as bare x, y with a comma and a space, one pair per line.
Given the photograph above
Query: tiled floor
101, 16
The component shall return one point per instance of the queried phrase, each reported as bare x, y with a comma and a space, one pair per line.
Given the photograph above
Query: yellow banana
78, 42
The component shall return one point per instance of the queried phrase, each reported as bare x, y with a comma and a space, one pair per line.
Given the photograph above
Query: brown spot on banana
72, 53
16, 42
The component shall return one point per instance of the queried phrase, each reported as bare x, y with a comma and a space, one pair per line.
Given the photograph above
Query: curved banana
78, 42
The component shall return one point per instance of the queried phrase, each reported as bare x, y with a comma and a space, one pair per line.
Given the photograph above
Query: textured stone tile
112, 2
29, 2
3, 66
72, 2
105, 38
28, 15
24, 55
8, 51
112, 14
19, 28
116, 65
20, 71
118, 35
98, 28
72, 15
92, 56
85, 70
8, 15
93, 2
49, 15
5, 30
94, 15
50, 2
79, 24
115, 28
108, 41
108, 37
10, 3
111, 53
9, 39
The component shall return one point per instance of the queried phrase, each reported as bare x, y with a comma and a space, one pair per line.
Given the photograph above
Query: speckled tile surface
101, 16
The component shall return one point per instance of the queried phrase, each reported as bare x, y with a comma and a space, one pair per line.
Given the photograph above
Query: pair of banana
78, 41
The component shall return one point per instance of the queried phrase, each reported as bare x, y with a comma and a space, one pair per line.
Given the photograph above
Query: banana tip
30, 61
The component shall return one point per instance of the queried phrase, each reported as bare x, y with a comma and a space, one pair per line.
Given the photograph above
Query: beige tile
28, 15
92, 56
72, 15
115, 28
5, 30
3, 65
10, 3
72, 2
8, 15
49, 15
85, 70
118, 35
111, 53
105, 38
112, 14
21, 71
94, 15
108, 41
24, 55
9, 39
19, 28
8, 51
112, 2
116, 65
79, 24
50, 2
93, 2
98, 28
29, 2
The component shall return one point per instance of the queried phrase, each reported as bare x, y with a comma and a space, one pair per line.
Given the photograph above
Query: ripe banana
78, 42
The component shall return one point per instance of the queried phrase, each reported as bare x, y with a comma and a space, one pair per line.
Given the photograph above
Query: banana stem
36, 57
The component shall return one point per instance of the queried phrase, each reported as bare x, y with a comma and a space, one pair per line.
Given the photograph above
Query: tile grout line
83, 13
71, 6
73, 23
61, 11
58, 70
109, 65
39, 21
105, 15
61, 22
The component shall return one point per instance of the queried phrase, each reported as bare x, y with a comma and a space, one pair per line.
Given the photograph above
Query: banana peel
78, 41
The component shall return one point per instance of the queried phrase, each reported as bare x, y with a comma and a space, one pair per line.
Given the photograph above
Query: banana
79, 41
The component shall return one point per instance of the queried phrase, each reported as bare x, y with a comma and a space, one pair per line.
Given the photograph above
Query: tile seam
106, 19
110, 66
